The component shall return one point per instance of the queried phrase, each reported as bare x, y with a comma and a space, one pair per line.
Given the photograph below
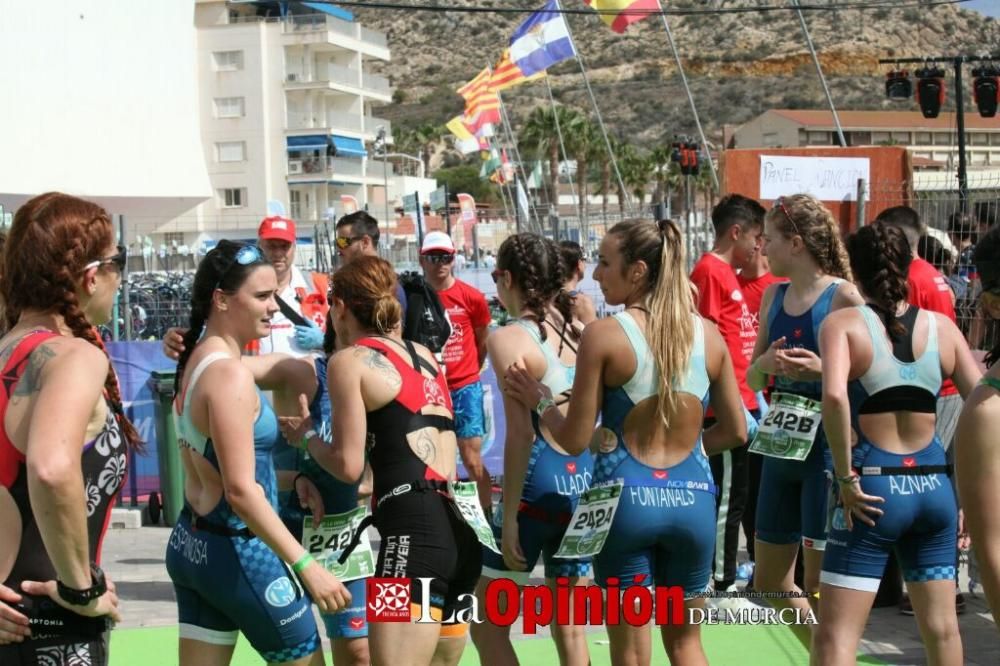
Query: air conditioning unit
292, 77
294, 167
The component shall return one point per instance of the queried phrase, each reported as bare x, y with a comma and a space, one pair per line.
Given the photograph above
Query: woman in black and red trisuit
64, 440
390, 399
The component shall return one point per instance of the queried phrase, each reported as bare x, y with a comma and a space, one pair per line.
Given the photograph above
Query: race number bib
591, 522
467, 499
789, 429
333, 535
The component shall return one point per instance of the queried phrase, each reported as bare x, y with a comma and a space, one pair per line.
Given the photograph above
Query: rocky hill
738, 65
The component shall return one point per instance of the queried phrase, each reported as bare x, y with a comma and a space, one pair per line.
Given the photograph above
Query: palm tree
637, 172
420, 140
583, 143
540, 138
667, 174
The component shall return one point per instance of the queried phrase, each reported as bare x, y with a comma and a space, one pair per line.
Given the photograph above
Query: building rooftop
890, 120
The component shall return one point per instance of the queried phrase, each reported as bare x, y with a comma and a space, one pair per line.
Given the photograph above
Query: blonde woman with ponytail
650, 371
802, 242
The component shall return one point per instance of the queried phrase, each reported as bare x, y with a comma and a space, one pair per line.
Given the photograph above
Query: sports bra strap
196, 374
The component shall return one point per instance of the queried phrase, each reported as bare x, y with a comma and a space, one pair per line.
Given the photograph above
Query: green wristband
303, 562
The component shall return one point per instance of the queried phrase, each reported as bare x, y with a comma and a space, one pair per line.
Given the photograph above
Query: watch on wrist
543, 405
84, 597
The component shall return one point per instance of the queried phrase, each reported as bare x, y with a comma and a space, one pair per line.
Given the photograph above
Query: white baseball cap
437, 241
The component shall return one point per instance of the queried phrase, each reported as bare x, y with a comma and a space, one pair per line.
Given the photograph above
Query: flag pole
822, 78
687, 89
597, 112
562, 146
512, 140
501, 185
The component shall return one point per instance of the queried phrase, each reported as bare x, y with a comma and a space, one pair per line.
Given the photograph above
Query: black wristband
83, 597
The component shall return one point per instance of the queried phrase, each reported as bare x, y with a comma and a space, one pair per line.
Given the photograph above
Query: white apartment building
285, 101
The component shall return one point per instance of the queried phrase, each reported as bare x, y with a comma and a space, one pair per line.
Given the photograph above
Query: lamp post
380, 146
931, 74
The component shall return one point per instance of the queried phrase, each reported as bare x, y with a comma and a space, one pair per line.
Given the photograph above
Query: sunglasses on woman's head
245, 256
780, 203
118, 260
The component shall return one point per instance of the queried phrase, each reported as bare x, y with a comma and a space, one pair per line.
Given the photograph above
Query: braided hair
880, 258
218, 270
53, 237
537, 270
806, 217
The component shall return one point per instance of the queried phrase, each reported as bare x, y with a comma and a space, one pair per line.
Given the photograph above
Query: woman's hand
106, 604
523, 387
310, 498
13, 624
768, 361
858, 505
510, 545
799, 364
294, 428
326, 591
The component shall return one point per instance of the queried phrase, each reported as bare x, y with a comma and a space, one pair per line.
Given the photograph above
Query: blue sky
988, 7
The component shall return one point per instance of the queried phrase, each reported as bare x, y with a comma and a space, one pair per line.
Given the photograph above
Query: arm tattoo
374, 360
31, 379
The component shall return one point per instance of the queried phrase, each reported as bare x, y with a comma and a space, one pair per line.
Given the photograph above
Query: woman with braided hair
883, 363
574, 265
542, 483
61, 271
650, 371
802, 243
230, 557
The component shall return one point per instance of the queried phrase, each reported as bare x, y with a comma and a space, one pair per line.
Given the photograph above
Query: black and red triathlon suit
423, 532
60, 637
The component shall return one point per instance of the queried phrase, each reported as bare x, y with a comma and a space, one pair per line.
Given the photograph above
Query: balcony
341, 76
324, 29
313, 168
337, 121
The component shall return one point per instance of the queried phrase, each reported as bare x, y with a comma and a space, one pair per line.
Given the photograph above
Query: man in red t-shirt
928, 289
738, 223
464, 354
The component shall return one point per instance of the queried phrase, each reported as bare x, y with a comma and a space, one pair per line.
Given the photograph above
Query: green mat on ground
745, 645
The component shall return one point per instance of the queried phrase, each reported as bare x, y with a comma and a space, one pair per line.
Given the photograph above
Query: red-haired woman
64, 438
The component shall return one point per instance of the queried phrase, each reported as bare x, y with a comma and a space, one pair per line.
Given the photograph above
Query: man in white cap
464, 353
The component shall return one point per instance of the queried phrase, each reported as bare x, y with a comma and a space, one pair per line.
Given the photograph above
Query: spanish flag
619, 14
506, 74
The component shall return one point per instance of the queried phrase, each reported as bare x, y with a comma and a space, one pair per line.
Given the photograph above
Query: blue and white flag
541, 41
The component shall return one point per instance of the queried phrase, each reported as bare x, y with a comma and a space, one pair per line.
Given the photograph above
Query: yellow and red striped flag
619, 14
482, 105
506, 73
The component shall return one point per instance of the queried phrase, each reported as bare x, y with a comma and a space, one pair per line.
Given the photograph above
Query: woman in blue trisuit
650, 371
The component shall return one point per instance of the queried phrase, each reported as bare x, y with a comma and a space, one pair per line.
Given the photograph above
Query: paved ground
134, 559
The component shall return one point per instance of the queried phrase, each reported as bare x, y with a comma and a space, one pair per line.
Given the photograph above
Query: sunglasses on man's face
441, 259
344, 242
118, 260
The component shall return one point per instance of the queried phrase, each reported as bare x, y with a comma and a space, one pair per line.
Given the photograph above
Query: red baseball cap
278, 228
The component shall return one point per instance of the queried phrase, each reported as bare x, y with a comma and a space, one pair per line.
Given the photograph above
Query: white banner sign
826, 178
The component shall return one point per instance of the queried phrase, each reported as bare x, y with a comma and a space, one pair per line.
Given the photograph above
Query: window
995, 139
229, 107
230, 151
923, 139
879, 138
172, 237
227, 61
818, 138
232, 197
978, 138
860, 138
901, 138
942, 139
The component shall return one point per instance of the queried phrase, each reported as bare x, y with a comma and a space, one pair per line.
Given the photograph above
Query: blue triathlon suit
552, 487
226, 579
664, 529
793, 495
920, 518
338, 497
